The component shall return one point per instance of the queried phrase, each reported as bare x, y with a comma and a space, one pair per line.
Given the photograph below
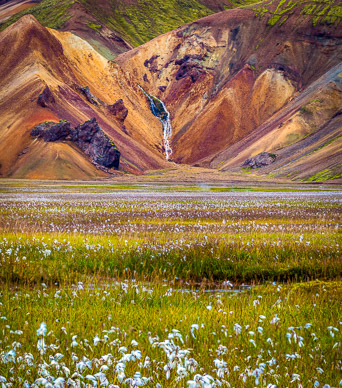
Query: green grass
305, 110
286, 334
141, 22
244, 236
328, 12
136, 284
327, 174
323, 145
95, 27
50, 13
135, 22
254, 258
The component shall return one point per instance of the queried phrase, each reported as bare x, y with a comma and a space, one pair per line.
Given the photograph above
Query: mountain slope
113, 26
243, 84
227, 77
64, 63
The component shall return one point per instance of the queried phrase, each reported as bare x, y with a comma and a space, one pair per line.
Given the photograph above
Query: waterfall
158, 108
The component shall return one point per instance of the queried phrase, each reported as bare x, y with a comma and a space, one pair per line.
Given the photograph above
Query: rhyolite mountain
247, 81
35, 59
258, 87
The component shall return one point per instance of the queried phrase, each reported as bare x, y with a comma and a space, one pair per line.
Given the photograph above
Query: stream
158, 108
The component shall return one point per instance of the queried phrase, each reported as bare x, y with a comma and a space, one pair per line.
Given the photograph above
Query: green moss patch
143, 20
318, 11
95, 27
325, 175
50, 13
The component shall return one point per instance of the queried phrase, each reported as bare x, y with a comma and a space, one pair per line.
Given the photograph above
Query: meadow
127, 286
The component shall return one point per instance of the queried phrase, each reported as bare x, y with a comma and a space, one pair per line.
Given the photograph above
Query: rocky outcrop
119, 110
45, 98
51, 131
151, 64
189, 67
90, 97
88, 137
261, 160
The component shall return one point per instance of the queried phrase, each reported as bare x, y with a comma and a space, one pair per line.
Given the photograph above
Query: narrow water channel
158, 108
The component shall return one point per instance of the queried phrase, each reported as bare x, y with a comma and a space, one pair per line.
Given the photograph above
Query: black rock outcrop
189, 67
90, 97
119, 110
88, 137
45, 98
51, 131
261, 160
151, 63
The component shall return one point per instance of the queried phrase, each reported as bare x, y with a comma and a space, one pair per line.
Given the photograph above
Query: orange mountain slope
34, 57
227, 77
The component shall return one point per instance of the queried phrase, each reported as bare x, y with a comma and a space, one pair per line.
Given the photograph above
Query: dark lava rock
90, 138
119, 110
261, 160
51, 131
89, 96
187, 58
189, 67
234, 33
39, 130
45, 98
151, 64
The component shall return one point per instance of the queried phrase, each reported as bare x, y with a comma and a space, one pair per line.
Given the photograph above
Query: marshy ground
146, 285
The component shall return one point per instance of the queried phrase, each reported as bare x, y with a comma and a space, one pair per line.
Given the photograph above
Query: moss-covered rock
261, 160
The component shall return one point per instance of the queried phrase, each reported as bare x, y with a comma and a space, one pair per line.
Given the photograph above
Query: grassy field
169, 286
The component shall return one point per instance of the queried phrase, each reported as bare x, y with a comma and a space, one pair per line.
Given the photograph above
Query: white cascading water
164, 119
